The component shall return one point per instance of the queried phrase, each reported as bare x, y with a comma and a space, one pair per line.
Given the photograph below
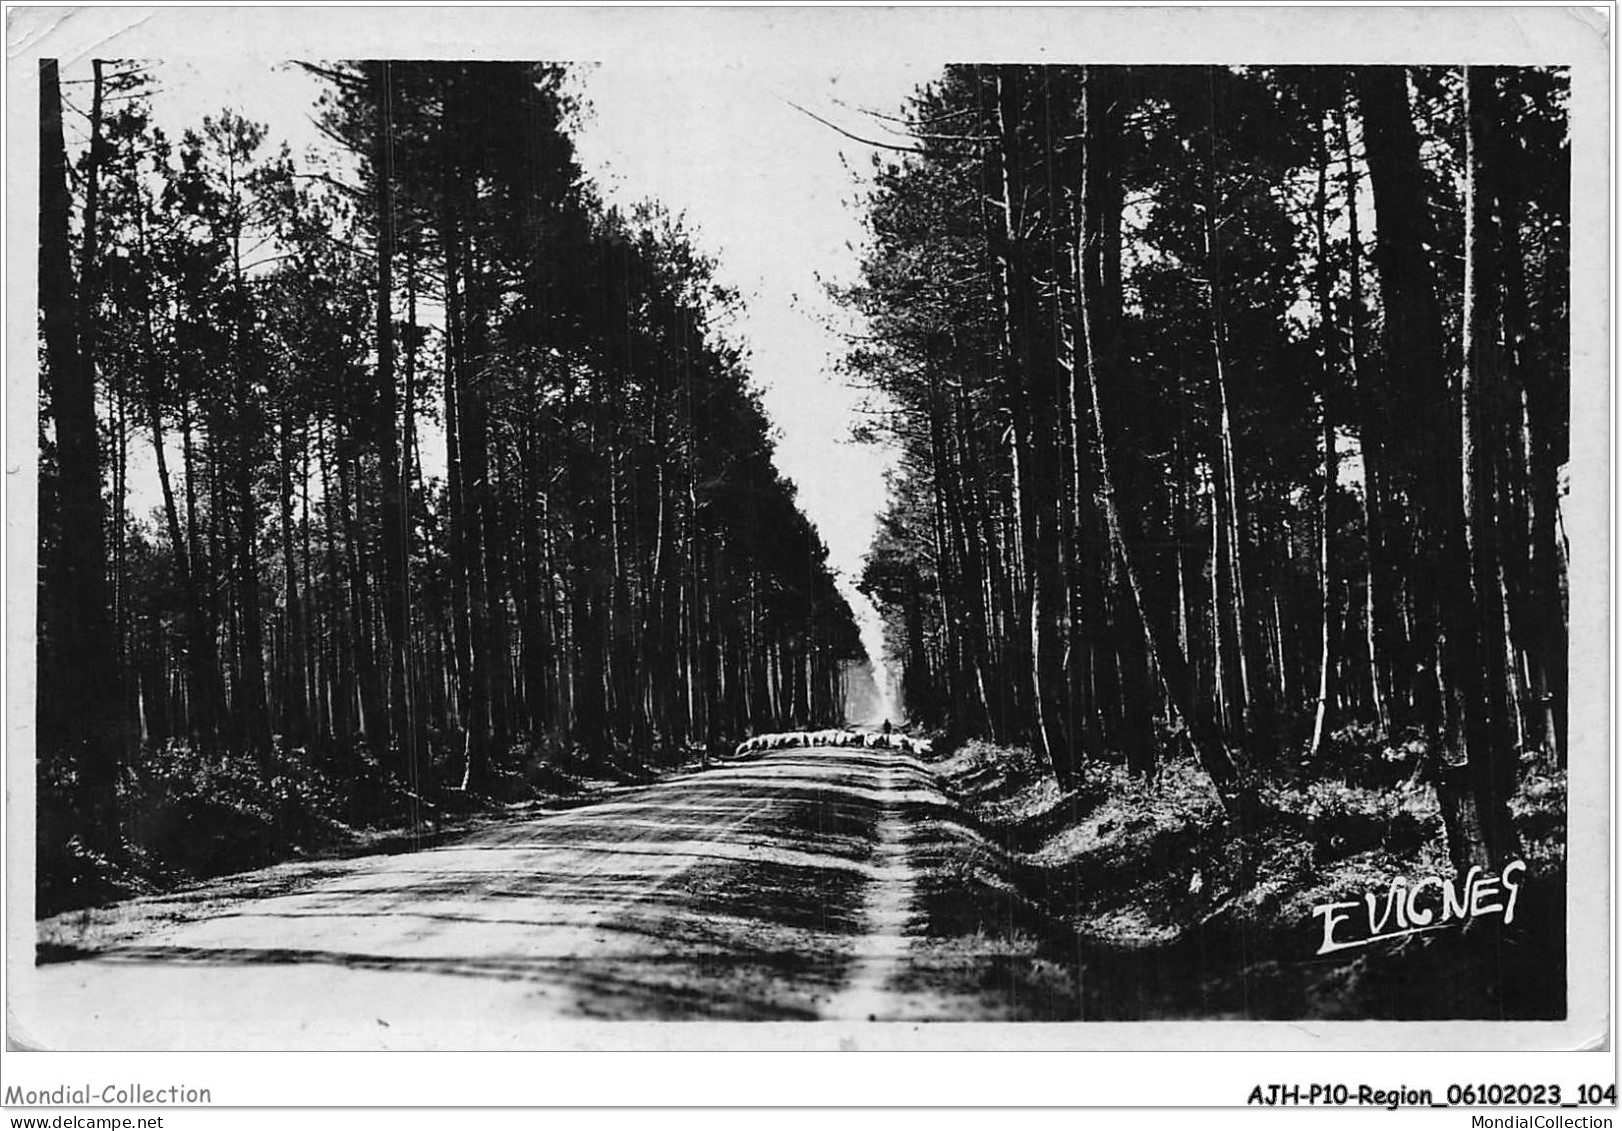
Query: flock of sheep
871, 741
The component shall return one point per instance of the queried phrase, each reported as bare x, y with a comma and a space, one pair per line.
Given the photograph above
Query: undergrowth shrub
1347, 824
1362, 754
1337, 818
980, 771
1539, 810
191, 814
207, 814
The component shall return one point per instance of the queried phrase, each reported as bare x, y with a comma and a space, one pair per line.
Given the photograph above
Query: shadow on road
727, 894
795, 885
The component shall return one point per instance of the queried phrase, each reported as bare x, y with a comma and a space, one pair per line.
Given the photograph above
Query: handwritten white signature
1402, 912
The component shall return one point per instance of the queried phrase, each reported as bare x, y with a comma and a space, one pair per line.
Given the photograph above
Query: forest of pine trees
1233, 406
1232, 410
610, 570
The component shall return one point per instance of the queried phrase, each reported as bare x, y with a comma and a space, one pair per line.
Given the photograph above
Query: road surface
783, 887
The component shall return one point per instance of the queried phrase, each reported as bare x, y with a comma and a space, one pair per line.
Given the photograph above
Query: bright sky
765, 190
769, 193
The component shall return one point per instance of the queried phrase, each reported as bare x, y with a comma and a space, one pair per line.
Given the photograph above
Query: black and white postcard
798, 528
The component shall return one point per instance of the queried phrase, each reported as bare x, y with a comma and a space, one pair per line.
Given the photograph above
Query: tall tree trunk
386, 431
1532, 382
474, 439
311, 674
253, 710
1448, 475
1417, 452
467, 492
415, 737
360, 626
204, 696
296, 721
79, 700
1327, 331
466, 708
1377, 616
1229, 618
1492, 761
1034, 514
1099, 310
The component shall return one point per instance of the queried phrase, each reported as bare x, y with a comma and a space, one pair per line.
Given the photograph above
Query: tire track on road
472, 944
886, 910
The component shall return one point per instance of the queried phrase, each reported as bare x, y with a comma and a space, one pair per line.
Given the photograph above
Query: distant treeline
1233, 404
610, 566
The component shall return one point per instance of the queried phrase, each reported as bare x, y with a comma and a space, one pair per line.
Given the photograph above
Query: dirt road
779, 888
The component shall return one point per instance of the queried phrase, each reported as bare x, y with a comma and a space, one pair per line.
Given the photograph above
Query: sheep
834, 738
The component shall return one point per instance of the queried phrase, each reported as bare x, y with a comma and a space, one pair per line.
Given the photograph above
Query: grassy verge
187, 815
1179, 915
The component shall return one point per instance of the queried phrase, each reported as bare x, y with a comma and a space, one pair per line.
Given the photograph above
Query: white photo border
678, 1063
